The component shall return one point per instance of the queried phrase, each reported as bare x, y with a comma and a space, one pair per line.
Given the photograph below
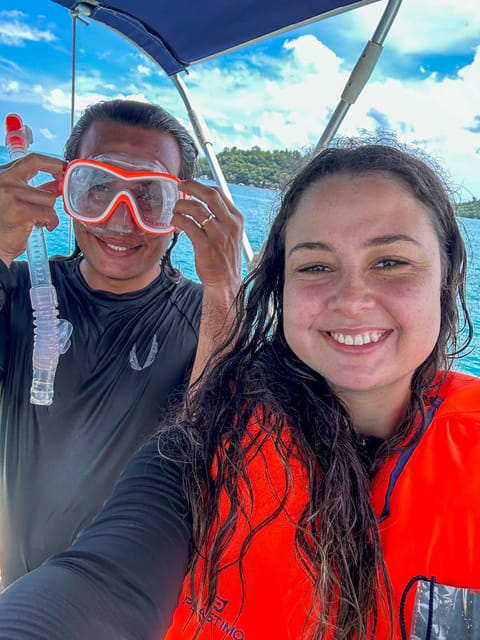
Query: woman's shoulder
460, 393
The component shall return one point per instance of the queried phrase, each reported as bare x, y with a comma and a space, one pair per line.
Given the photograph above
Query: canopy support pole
200, 129
361, 73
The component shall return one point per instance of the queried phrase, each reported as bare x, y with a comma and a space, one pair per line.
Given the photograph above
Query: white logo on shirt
149, 360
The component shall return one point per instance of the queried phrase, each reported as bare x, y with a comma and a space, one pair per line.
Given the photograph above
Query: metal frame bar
360, 73
201, 131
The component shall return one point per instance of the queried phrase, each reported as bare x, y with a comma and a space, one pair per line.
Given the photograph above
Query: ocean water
470, 362
258, 207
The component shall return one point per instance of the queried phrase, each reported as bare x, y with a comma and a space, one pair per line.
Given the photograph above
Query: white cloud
421, 26
12, 14
281, 105
46, 133
143, 70
10, 87
311, 54
433, 26
14, 32
57, 100
441, 114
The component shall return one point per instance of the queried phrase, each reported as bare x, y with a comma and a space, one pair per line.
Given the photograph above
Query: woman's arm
122, 577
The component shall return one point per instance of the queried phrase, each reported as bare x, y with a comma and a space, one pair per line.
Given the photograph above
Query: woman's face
362, 283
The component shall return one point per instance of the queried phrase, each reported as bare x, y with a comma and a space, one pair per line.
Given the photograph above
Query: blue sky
276, 94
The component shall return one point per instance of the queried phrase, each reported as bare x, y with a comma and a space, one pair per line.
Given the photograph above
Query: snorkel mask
115, 187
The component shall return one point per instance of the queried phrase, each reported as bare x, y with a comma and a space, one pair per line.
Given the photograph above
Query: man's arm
123, 575
215, 228
218, 307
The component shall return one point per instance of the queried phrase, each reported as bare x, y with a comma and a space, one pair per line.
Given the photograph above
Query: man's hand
22, 205
215, 228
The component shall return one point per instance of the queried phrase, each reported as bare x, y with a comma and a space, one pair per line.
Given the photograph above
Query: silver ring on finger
207, 219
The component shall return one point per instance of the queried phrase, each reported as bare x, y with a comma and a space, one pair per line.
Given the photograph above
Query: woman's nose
352, 295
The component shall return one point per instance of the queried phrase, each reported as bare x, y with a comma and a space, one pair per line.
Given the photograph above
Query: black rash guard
59, 463
129, 587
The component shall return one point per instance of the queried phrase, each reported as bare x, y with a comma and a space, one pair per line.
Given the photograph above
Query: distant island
469, 209
255, 167
272, 170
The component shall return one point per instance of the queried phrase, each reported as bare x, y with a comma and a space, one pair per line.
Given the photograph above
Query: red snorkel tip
13, 122
18, 136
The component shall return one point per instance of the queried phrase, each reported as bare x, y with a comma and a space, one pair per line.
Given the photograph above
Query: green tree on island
255, 167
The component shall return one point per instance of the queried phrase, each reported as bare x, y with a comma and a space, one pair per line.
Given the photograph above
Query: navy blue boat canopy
178, 33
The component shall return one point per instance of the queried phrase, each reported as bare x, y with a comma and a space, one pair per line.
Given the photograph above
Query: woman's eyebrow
371, 242
390, 239
323, 246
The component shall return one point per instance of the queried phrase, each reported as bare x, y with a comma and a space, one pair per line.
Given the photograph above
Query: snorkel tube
51, 335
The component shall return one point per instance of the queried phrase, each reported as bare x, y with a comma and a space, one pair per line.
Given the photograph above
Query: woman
327, 462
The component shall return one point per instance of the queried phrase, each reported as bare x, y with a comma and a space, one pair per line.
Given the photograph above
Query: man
140, 330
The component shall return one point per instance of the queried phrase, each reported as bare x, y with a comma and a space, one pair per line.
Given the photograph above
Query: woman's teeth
358, 339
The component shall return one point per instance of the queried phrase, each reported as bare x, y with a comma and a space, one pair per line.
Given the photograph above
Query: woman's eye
315, 268
389, 263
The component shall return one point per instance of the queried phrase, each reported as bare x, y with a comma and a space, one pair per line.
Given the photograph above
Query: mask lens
92, 190
155, 200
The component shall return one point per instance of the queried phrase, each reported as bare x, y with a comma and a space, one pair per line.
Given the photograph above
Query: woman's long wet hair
145, 116
337, 538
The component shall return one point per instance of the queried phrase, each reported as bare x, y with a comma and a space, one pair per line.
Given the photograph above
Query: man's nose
352, 295
121, 219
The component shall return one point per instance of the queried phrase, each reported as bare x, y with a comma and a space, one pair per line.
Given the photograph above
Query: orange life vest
427, 502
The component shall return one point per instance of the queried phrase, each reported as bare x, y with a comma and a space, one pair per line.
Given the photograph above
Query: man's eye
149, 194
100, 191
154, 198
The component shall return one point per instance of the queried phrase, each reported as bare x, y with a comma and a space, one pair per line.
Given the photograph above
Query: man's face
124, 262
